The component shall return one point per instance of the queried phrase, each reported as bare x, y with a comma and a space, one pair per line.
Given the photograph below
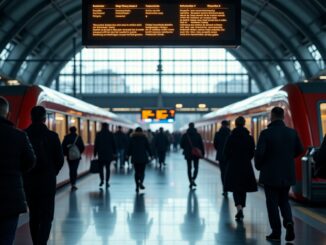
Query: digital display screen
158, 115
190, 23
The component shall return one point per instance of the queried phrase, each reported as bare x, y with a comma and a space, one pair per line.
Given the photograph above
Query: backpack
73, 151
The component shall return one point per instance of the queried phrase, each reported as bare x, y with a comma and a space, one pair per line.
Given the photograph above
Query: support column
160, 70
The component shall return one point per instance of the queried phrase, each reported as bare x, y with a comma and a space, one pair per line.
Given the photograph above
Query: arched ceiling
273, 31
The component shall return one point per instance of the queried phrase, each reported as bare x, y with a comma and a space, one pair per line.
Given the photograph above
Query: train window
92, 132
248, 123
73, 121
84, 130
98, 126
322, 108
50, 120
255, 129
60, 125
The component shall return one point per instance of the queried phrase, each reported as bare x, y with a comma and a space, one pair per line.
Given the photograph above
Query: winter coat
161, 142
17, 157
238, 152
121, 140
41, 180
196, 141
219, 142
69, 140
105, 146
277, 147
139, 149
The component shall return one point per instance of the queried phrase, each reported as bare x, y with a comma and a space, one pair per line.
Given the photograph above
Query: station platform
166, 212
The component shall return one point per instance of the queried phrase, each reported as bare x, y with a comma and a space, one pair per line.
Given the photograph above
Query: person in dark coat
140, 151
69, 140
220, 138
121, 144
17, 157
105, 148
161, 145
189, 140
277, 147
320, 161
40, 182
239, 174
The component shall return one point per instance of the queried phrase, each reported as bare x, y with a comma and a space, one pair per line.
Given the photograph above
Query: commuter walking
277, 147
73, 147
220, 138
40, 182
191, 142
161, 146
239, 174
139, 150
17, 157
105, 148
121, 144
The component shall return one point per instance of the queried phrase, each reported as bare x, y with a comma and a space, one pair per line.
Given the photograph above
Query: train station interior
163, 65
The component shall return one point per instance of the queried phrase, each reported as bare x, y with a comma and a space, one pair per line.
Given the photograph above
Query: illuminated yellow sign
158, 115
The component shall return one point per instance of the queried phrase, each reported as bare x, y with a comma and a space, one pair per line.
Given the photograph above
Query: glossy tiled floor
165, 213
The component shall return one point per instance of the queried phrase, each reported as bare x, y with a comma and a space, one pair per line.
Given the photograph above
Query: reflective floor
167, 212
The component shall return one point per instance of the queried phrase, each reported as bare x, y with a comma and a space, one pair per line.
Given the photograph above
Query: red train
63, 112
305, 110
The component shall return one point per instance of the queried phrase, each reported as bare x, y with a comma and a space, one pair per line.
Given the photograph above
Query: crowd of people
31, 160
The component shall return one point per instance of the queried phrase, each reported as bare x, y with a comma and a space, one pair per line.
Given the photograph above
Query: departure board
190, 23
163, 115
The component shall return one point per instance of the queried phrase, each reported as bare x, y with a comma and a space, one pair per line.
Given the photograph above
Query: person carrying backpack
73, 147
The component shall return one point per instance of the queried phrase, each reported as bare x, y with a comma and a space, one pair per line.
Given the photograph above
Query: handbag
95, 166
195, 151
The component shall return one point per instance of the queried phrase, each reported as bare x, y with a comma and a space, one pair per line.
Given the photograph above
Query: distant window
280, 71
297, 65
6, 52
316, 55
24, 65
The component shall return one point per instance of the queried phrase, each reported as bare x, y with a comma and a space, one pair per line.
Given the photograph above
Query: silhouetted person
193, 226
320, 161
40, 182
277, 147
161, 146
17, 157
239, 175
139, 151
192, 139
139, 222
73, 140
105, 148
220, 138
121, 144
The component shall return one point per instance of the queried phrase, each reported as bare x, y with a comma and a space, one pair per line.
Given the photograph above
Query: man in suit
40, 183
17, 157
277, 147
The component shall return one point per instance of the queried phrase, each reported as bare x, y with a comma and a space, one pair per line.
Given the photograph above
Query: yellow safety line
312, 214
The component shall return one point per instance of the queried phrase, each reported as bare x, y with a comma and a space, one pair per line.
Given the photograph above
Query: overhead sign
158, 115
191, 23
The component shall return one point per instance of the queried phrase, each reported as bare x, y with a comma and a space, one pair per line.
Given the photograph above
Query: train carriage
305, 110
63, 112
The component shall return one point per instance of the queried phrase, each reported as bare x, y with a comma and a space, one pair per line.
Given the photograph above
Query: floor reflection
104, 216
74, 225
193, 226
139, 222
228, 233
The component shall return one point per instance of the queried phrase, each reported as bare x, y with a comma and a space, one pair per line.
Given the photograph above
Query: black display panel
178, 23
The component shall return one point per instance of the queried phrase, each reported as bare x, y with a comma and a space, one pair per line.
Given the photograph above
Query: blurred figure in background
219, 143
73, 147
139, 151
161, 145
239, 174
106, 150
17, 157
121, 144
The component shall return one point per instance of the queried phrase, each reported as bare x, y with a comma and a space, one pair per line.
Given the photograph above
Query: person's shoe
137, 190
239, 216
73, 188
107, 185
273, 237
289, 236
101, 183
193, 182
141, 186
190, 186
